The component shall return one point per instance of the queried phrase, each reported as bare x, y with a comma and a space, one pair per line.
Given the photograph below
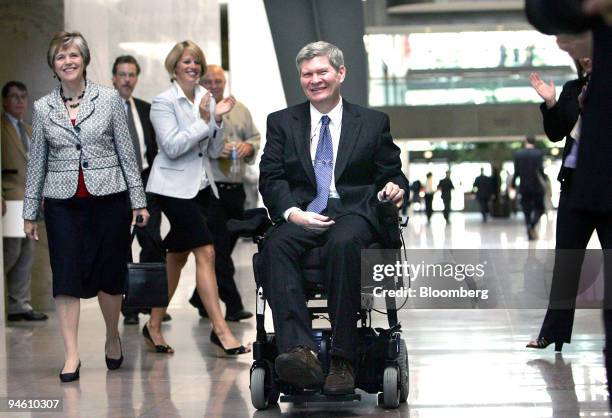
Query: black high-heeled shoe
222, 351
72, 376
114, 363
159, 348
541, 343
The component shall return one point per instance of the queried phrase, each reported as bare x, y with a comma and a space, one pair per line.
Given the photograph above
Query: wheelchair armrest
390, 221
255, 222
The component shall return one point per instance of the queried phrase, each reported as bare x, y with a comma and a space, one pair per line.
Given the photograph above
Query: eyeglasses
14, 96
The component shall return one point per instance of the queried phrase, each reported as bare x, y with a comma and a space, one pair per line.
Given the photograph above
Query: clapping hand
546, 91
224, 106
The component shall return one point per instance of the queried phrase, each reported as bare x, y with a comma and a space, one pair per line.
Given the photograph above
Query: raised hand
545, 91
204, 108
223, 106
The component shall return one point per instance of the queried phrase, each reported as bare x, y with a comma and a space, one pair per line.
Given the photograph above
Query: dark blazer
367, 159
593, 175
560, 119
144, 108
528, 165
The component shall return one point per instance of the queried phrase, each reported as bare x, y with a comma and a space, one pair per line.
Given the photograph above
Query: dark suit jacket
560, 119
144, 108
367, 159
591, 188
528, 166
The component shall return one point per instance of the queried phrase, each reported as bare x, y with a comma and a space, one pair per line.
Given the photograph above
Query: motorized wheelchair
383, 358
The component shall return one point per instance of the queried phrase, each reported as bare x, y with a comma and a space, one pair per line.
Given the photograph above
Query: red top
81, 188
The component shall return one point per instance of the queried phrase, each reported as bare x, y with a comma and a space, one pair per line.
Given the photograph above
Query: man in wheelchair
325, 166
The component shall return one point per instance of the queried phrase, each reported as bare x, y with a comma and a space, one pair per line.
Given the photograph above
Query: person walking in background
562, 120
125, 77
429, 195
188, 127
241, 142
528, 166
445, 186
483, 186
18, 252
82, 163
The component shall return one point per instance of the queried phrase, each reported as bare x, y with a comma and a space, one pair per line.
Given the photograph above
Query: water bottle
235, 164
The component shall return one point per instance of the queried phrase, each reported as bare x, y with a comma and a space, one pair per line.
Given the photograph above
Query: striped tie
323, 167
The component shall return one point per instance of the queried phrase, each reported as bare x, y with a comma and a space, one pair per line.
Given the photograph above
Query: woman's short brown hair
177, 52
64, 39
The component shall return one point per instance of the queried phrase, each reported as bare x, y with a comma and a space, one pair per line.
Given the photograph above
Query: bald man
242, 138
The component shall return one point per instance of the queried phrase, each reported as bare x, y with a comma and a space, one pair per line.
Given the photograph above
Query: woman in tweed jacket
83, 171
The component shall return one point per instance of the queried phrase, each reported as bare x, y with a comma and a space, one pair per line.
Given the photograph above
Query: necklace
69, 99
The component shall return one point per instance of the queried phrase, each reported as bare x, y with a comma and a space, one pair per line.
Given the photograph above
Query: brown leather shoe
300, 367
341, 378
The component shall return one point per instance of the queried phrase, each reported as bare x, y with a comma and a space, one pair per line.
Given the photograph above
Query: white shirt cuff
289, 211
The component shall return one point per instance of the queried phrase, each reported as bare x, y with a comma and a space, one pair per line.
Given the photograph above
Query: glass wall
462, 68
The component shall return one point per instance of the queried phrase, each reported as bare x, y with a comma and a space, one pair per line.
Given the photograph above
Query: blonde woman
188, 128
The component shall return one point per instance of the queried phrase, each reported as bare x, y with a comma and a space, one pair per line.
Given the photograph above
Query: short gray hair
317, 49
63, 40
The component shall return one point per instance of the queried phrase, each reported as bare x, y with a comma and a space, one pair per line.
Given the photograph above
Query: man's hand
144, 213
31, 229
311, 221
244, 149
392, 192
545, 91
578, 46
224, 106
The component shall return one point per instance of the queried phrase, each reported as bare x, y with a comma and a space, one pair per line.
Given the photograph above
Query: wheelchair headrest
255, 222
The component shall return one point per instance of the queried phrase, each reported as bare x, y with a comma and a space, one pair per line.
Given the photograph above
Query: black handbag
146, 284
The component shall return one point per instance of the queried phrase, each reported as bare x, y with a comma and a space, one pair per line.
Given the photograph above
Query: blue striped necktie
323, 167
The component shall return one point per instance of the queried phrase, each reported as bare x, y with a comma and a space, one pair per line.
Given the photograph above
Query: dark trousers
429, 205
574, 230
282, 281
533, 207
149, 239
447, 208
484, 207
230, 205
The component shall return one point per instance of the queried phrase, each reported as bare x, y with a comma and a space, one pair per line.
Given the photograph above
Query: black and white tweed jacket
99, 143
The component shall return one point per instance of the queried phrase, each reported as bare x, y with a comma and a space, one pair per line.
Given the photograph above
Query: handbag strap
157, 245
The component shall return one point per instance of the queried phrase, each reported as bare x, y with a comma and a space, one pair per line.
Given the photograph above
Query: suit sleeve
387, 159
557, 122
273, 185
216, 143
126, 154
173, 141
37, 167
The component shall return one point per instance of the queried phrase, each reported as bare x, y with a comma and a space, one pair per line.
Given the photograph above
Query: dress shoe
541, 343
114, 363
237, 316
341, 378
227, 352
71, 377
28, 316
159, 348
300, 367
130, 319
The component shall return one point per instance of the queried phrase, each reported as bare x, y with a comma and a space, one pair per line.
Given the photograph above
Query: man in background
18, 252
528, 166
241, 144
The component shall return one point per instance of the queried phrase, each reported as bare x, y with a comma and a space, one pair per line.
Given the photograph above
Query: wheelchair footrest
319, 397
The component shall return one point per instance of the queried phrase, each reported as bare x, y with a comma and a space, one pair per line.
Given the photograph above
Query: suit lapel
87, 104
349, 135
58, 114
301, 137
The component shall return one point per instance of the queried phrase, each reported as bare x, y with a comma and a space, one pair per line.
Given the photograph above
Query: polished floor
463, 363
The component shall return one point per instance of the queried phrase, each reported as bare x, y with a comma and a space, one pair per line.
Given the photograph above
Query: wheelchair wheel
403, 370
391, 390
262, 395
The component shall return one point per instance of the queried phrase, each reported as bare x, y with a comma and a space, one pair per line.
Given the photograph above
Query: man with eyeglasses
18, 252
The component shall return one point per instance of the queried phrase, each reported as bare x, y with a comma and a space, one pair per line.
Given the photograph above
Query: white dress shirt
139, 131
335, 128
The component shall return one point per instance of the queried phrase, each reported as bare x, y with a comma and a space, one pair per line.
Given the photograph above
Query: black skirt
187, 217
89, 244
